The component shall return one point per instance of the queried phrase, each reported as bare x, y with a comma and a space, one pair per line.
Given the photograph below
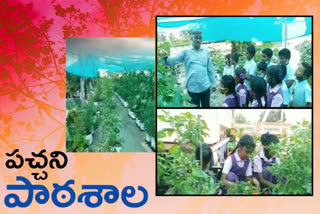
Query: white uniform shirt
228, 164
251, 69
277, 100
257, 163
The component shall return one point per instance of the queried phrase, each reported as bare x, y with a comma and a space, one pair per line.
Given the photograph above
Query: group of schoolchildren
238, 166
265, 84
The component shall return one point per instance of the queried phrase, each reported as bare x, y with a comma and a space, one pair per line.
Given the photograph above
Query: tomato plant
177, 171
137, 88
243, 188
295, 171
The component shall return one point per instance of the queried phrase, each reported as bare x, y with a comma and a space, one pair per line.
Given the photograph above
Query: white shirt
257, 163
251, 69
228, 164
255, 102
277, 99
242, 95
228, 70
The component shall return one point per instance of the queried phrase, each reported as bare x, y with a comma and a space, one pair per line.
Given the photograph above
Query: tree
306, 52
239, 118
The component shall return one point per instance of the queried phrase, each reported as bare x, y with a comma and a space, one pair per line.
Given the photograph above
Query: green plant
305, 49
185, 126
138, 90
295, 171
169, 93
177, 171
243, 188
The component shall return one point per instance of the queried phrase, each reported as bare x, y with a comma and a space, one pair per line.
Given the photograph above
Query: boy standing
302, 92
284, 58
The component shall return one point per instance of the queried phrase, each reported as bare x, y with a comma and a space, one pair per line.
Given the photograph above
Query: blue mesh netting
85, 56
240, 28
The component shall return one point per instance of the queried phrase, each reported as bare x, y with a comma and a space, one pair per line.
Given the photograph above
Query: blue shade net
263, 29
86, 56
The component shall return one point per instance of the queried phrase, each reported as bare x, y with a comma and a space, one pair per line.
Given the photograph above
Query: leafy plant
138, 90
295, 171
177, 171
243, 188
185, 126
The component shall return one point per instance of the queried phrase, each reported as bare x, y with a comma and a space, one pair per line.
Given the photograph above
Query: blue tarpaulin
85, 56
263, 29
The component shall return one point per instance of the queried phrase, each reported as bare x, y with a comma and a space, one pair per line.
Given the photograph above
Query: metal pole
199, 142
285, 32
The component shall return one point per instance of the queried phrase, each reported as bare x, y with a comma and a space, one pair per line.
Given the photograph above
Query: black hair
259, 87
267, 139
285, 52
241, 74
245, 141
235, 57
278, 72
251, 50
229, 83
206, 153
228, 56
262, 66
268, 52
307, 69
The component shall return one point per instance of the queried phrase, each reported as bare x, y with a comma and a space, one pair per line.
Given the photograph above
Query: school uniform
241, 91
275, 96
261, 164
287, 92
270, 64
302, 93
230, 101
237, 169
256, 104
251, 68
228, 70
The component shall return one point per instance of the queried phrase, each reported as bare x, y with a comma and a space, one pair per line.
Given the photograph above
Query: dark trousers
202, 98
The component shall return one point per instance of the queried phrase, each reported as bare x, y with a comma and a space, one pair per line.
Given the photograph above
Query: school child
227, 87
241, 89
250, 65
234, 58
264, 160
275, 76
228, 69
302, 92
261, 70
207, 157
238, 166
266, 56
251, 68
284, 58
258, 92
